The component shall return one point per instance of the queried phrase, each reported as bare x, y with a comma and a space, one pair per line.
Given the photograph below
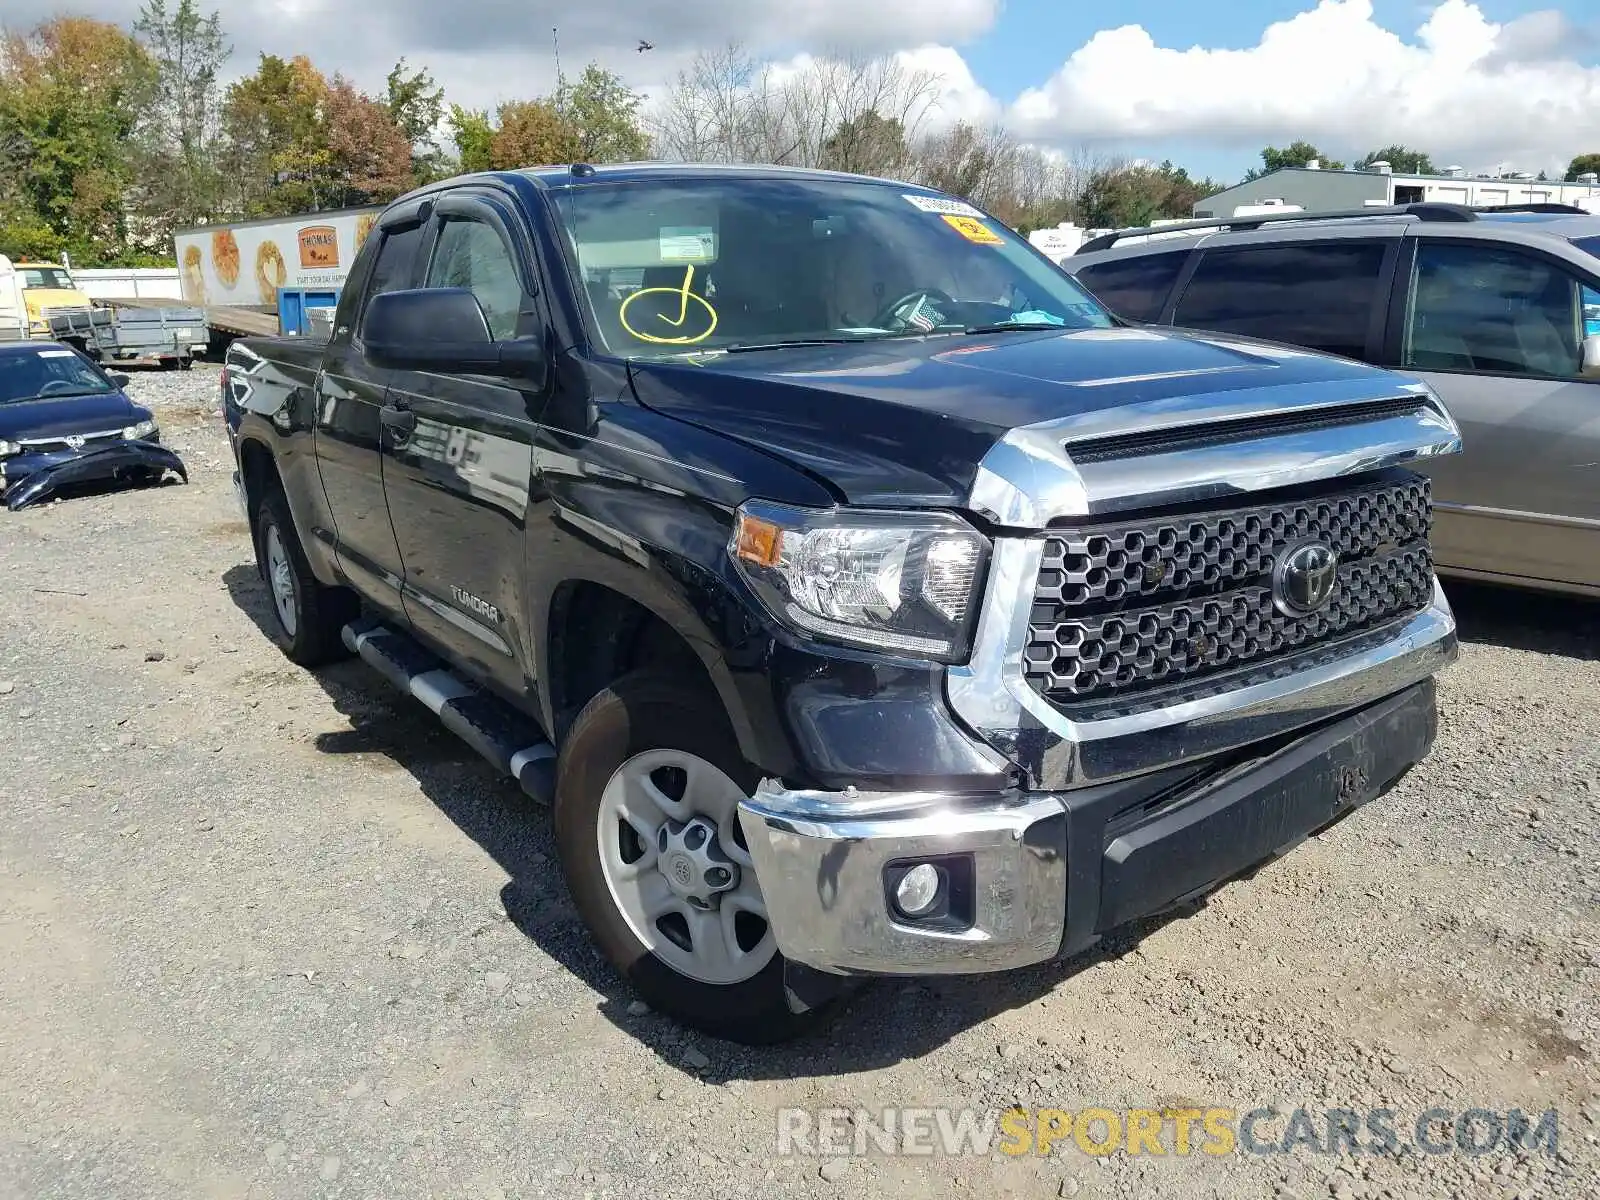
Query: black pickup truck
864, 597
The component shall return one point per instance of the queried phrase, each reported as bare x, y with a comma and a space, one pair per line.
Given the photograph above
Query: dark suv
1498, 309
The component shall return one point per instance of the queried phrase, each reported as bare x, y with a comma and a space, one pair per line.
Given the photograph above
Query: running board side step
511, 742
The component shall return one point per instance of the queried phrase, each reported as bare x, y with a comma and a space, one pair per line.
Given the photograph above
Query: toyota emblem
74, 443
1303, 580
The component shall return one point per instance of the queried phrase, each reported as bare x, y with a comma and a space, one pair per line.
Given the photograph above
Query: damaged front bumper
34, 478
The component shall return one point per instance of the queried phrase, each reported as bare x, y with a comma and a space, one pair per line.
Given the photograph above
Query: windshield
45, 373
45, 277
691, 265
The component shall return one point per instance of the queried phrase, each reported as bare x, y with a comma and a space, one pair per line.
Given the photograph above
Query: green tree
1120, 197
1583, 164
176, 161
278, 158
1295, 154
416, 103
1403, 159
473, 133
603, 114
71, 94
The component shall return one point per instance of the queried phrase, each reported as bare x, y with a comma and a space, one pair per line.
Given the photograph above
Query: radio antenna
555, 46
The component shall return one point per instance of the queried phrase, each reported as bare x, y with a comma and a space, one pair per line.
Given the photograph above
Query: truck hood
907, 421
58, 416
39, 299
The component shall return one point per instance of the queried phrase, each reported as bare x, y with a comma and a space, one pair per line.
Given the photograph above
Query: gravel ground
270, 933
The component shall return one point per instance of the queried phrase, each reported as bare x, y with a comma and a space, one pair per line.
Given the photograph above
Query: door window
1318, 295
1591, 312
471, 255
1482, 308
394, 268
1135, 288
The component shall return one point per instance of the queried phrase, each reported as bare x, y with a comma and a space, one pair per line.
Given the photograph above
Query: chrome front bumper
1050, 872
821, 856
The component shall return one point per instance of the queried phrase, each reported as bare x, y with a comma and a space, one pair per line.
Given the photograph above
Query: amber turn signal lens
758, 541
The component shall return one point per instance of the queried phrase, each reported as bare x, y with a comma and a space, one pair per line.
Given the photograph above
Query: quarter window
1482, 308
471, 255
1320, 295
1135, 288
393, 269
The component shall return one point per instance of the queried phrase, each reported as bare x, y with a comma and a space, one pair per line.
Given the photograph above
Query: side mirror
119, 380
1589, 365
440, 329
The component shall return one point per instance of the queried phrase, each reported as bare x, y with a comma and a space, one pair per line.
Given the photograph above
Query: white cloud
958, 96
1464, 88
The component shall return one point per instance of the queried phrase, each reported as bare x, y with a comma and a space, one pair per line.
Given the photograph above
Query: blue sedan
65, 422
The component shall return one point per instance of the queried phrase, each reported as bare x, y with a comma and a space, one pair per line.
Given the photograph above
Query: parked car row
1498, 311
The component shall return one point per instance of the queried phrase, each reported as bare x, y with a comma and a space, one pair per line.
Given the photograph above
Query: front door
350, 395
457, 483
1497, 331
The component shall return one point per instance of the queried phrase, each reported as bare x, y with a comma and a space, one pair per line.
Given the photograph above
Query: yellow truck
28, 290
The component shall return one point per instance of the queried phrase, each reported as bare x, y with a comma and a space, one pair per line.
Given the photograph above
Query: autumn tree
595, 119
72, 92
531, 133
175, 160
369, 156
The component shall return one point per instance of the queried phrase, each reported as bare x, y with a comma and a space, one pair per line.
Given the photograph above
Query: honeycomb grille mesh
1121, 608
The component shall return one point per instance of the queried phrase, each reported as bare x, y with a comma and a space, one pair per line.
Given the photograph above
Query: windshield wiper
66, 395
1014, 327
749, 347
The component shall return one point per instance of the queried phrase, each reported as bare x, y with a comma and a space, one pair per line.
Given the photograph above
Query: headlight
7, 449
906, 582
143, 429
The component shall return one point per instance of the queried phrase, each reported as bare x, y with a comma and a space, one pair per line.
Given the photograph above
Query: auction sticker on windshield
974, 230
688, 243
56, 354
938, 204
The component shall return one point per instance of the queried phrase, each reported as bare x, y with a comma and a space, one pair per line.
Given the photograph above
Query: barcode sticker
941, 205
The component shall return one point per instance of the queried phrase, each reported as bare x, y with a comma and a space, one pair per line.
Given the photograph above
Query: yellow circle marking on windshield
684, 296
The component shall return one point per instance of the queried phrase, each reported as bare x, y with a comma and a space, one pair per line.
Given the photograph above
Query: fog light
918, 889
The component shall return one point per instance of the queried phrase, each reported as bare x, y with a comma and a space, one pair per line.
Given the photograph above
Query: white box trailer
244, 263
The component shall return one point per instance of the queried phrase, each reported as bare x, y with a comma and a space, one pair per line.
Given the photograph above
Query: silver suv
1497, 309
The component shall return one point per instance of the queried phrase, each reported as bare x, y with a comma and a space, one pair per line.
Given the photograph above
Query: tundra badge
473, 604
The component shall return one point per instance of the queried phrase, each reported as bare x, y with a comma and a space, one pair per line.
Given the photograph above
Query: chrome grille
1132, 605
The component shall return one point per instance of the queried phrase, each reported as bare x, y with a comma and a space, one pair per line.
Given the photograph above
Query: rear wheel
646, 814
308, 615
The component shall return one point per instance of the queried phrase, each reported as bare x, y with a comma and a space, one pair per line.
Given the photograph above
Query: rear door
349, 396
1496, 329
458, 482
1326, 293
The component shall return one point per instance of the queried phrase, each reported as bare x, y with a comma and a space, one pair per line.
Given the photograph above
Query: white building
1317, 190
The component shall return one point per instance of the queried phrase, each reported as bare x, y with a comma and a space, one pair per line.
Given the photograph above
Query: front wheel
646, 815
308, 615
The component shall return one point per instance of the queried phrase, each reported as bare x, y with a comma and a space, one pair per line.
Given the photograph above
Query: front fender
805, 711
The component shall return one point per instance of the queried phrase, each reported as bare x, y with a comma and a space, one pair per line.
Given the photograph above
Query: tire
307, 616
638, 719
